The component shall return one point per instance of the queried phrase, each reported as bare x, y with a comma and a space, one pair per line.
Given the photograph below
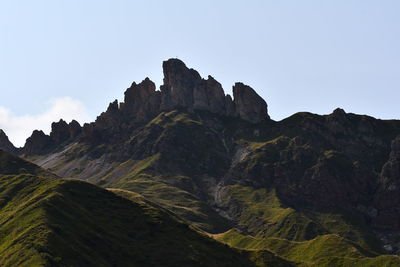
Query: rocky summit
184, 88
5, 143
186, 175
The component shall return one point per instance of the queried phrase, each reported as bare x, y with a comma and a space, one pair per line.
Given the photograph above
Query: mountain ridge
222, 164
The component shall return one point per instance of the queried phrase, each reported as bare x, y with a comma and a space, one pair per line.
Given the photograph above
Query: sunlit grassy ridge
316, 252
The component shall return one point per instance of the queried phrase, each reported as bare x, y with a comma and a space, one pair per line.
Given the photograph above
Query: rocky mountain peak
185, 88
5, 143
60, 131
248, 104
142, 101
179, 85
36, 143
75, 129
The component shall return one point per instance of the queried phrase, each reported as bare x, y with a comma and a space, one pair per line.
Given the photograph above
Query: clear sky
71, 58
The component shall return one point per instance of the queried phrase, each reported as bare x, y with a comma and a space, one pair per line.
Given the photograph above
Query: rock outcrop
184, 88
248, 104
61, 132
37, 143
142, 101
108, 119
74, 128
5, 143
179, 86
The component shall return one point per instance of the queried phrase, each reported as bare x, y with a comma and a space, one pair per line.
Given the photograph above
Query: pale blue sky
299, 55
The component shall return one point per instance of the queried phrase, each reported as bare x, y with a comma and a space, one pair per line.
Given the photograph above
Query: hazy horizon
70, 59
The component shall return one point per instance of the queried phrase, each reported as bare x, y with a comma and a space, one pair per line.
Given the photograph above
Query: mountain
223, 166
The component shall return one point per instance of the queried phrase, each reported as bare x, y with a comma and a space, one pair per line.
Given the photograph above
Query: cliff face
248, 104
185, 88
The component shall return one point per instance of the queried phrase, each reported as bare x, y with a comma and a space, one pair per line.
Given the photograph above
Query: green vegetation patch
324, 250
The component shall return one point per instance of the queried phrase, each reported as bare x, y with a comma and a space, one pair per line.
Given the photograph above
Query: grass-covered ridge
55, 222
324, 250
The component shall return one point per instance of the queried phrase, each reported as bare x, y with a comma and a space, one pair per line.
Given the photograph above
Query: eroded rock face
184, 88
248, 104
75, 129
37, 143
142, 101
179, 85
108, 119
60, 132
388, 196
5, 143
216, 96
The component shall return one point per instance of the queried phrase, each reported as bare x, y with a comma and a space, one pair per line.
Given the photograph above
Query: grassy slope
47, 221
315, 252
261, 258
262, 212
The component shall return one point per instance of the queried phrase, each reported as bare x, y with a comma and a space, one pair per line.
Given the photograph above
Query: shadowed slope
71, 223
10, 164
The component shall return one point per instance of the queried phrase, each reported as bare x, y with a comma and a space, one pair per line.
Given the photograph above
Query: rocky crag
183, 89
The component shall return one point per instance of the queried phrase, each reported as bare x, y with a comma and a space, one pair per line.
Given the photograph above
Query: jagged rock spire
184, 87
248, 104
5, 143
